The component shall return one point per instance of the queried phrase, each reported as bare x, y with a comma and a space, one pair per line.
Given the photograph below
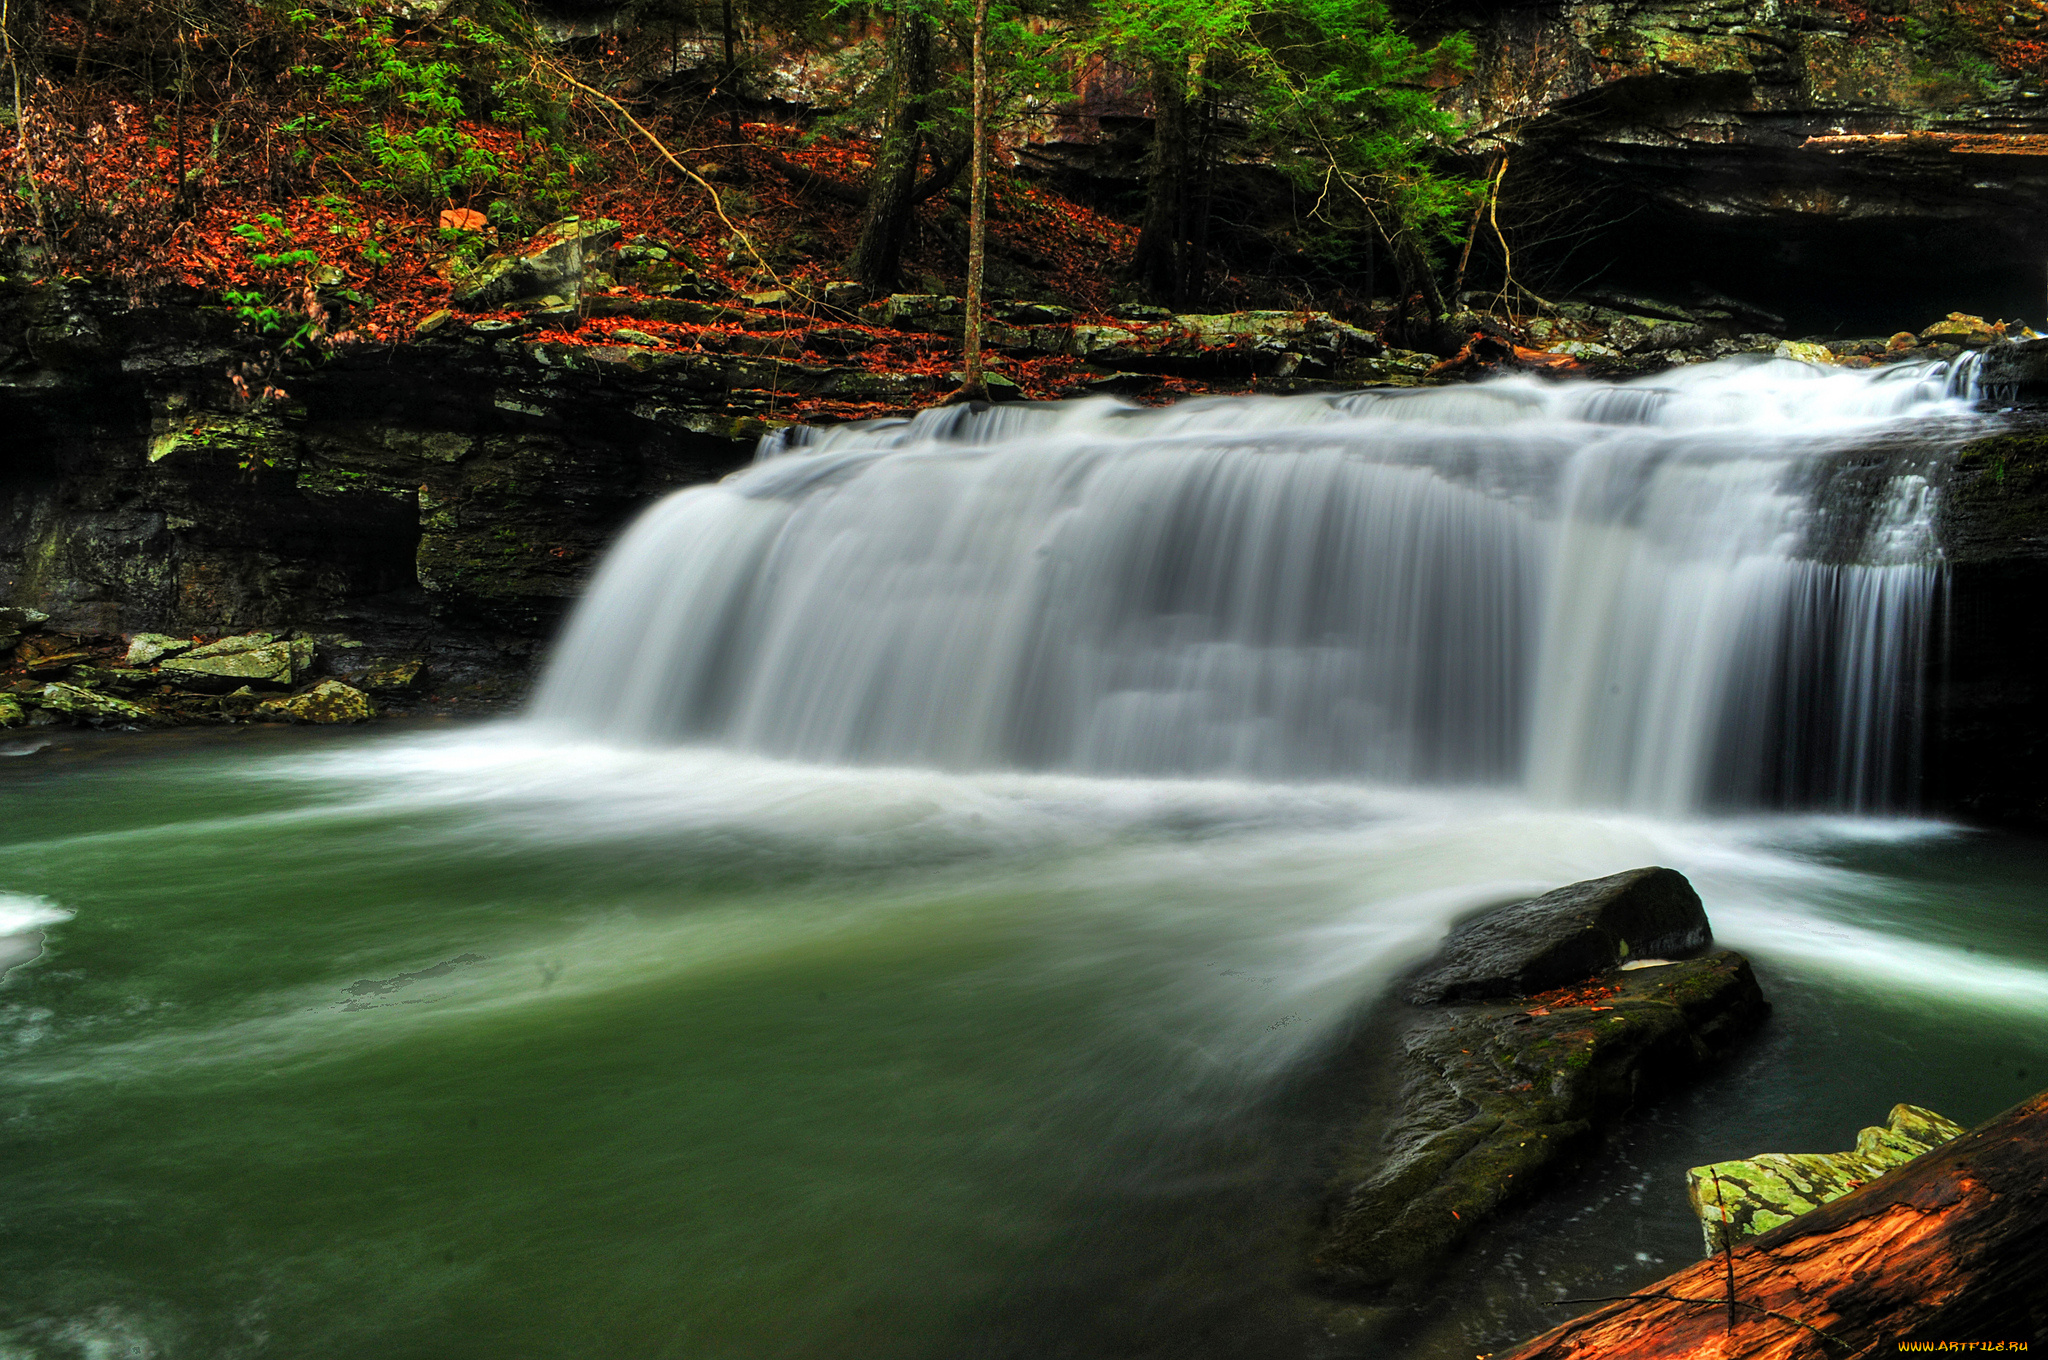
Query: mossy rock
90, 706
147, 648
1995, 500
1740, 1199
1494, 1095
328, 702
11, 712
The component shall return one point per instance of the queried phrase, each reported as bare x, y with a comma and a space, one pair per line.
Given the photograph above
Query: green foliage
1330, 92
264, 307
410, 104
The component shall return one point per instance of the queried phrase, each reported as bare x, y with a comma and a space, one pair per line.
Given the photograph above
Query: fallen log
1951, 1247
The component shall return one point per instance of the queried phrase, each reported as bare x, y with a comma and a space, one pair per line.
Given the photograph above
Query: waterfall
1653, 594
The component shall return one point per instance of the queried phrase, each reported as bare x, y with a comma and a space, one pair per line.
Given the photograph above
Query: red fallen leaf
1540, 1010
463, 219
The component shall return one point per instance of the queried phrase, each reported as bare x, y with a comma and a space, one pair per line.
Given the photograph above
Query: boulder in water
1566, 935
1740, 1199
1492, 1093
330, 701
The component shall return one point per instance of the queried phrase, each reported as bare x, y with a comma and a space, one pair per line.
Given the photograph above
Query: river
789, 983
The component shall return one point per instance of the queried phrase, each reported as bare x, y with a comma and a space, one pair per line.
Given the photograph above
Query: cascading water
1633, 594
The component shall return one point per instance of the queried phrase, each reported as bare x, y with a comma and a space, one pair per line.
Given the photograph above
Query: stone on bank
91, 706
330, 701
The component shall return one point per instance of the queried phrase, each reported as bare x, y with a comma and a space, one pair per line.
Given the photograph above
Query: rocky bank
440, 501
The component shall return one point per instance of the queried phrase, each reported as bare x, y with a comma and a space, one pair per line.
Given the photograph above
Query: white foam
20, 913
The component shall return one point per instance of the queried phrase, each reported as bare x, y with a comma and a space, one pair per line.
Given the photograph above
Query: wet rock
145, 648
89, 706
11, 712
1562, 936
554, 261
18, 620
2015, 372
1494, 1094
1740, 1199
330, 701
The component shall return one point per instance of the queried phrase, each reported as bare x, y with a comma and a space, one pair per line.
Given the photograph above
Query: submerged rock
1740, 1199
1492, 1093
330, 701
146, 648
1563, 936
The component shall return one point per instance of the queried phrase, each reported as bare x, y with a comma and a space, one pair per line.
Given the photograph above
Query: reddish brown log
1952, 1246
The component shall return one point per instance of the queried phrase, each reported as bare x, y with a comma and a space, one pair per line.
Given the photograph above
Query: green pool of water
466, 1044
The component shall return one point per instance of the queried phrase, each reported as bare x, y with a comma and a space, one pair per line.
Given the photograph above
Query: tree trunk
731, 84
972, 385
892, 190
1951, 1246
1156, 262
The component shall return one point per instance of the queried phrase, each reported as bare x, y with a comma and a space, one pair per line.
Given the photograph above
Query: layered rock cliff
1837, 158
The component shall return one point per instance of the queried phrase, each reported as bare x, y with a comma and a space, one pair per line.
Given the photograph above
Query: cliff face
1987, 738
1892, 157
444, 497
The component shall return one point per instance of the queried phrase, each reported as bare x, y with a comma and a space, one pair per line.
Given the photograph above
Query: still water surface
485, 1044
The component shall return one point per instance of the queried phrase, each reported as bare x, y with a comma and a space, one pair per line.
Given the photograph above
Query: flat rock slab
1564, 936
1740, 1199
